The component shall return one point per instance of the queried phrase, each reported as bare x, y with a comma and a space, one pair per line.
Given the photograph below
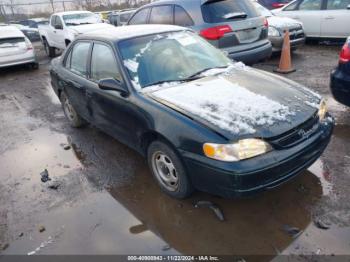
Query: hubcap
165, 171
68, 109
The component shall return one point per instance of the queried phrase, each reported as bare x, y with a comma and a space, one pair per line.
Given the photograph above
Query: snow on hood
226, 105
81, 29
86, 20
283, 22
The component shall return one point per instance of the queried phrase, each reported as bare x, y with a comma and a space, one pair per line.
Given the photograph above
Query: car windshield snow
170, 57
80, 19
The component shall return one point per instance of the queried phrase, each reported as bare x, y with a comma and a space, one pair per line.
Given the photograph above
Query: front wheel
168, 170
72, 115
50, 51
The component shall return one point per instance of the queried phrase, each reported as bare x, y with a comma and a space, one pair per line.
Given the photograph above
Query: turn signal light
215, 33
345, 53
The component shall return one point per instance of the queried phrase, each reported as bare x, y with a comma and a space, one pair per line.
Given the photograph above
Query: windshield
169, 57
263, 11
81, 18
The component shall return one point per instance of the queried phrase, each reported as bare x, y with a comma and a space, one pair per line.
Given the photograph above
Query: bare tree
52, 5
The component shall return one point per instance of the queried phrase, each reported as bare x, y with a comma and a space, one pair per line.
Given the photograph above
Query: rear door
336, 19
241, 16
74, 78
58, 34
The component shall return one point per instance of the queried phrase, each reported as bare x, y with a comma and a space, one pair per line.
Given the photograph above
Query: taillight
215, 33
345, 53
266, 22
277, 5
28, 44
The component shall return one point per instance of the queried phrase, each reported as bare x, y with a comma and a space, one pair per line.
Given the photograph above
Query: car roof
124, 32
10, 31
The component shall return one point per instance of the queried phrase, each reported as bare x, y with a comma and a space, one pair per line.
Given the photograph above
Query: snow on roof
10, 31
72, 13
226, 105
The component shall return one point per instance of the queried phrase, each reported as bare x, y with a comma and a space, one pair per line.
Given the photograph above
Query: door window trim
142, 9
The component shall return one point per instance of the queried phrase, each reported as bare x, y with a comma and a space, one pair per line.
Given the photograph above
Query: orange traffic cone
285, 65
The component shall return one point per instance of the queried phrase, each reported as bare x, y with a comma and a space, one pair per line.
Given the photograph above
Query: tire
50, 51
168, 170
35, 66
73, 117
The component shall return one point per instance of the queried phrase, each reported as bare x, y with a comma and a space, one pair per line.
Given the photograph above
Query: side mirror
113, 85
348, 7
58, 27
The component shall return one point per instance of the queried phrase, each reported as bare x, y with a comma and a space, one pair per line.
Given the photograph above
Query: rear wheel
50, 51
74, 118
168, 170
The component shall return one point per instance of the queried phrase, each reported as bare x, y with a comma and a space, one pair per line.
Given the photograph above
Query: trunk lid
12, 46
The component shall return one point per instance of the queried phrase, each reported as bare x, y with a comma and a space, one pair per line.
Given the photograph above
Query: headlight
243, 149
322, 110
273, 31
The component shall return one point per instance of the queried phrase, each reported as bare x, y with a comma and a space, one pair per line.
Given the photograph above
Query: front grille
296, 34
298, 134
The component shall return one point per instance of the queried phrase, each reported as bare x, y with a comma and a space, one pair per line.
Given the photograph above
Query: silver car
15, 48
278, 25
234, 26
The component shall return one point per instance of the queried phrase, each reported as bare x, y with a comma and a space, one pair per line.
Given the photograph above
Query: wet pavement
101, 198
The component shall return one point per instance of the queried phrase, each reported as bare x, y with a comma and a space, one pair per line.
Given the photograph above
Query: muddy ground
103, 200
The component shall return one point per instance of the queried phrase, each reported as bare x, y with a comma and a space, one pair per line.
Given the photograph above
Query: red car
273, 4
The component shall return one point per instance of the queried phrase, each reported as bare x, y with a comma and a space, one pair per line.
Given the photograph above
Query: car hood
81, 29
241, 103
283, 22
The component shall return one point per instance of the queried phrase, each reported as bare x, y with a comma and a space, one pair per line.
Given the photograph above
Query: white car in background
64, 27
15, 48
321, 18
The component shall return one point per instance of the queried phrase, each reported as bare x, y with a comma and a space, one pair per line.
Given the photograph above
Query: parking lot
103, 200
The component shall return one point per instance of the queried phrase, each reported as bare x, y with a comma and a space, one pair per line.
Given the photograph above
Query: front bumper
340, 86
254, 175
277, 43
254, 54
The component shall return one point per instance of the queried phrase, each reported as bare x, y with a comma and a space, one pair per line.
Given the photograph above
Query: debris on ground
66, 147
41, 229
292, 231
45, 176
212, 206
4, 246
322, 224
20, 234
166, 248
54, 185
66, 166
42, 245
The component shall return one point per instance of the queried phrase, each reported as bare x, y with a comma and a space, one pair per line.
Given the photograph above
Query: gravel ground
102, 199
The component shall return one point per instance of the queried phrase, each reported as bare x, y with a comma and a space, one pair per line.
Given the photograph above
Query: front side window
182, 18
103, 63
79, 57
162, 15
53, 21
140, 17
337, 4
310, 5
124, 18
168, 57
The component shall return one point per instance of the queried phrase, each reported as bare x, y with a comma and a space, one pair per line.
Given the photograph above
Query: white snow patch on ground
226, 105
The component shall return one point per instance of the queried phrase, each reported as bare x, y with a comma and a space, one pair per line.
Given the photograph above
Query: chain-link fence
13, 10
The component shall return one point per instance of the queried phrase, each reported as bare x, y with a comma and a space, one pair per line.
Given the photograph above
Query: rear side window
337, 4
79, 57
162, 15
103, 63
293, 6
11, 41
223, 10
182, 18
140, 17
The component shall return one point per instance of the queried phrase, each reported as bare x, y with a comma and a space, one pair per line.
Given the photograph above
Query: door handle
295, 17
329, 17
75, 84
54, 32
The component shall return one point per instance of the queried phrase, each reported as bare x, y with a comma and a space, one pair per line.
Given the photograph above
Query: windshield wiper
198, 74
235, 15
163, 82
